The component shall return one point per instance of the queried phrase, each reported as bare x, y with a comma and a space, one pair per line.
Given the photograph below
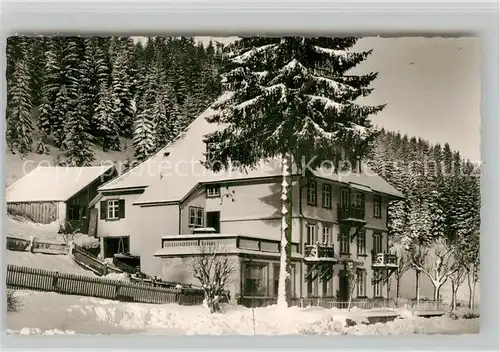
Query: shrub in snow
213, 270
86, 242
13, 302
118, 277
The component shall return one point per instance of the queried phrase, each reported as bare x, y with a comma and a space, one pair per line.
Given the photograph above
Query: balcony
351, 214
317, 252
384, 260
182, 245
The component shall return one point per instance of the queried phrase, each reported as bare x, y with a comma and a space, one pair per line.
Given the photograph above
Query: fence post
117, 290
54, 281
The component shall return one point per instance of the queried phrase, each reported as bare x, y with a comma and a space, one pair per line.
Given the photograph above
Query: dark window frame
326, 195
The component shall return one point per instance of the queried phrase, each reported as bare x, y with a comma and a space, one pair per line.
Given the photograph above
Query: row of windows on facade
357, 199
347, 198
255, 279
344, 239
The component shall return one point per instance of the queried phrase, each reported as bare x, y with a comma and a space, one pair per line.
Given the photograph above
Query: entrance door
213, 220
343, 287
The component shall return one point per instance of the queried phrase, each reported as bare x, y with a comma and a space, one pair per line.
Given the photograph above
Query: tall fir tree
67, 98
51, 87
78, 147
105, 118
19, 108
292, 99
95, 74
144, 136
121, 83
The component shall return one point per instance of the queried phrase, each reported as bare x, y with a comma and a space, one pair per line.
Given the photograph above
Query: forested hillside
435, 230
74, 94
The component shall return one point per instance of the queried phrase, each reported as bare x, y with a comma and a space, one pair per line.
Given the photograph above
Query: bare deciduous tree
458, 276
403, 266
438, 264
417, 256
213, 268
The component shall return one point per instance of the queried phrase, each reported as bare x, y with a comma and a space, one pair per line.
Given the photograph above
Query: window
361, 242
377, 289
255, 279
113, 206
361, 283
312, 285
311, 234
327, 235
326, 196
276, 276
377, 242
112, 209
377, 206
213, 191
344, 240
344, 198
359, 200
311, 192
325, 285
75, 212
195, 217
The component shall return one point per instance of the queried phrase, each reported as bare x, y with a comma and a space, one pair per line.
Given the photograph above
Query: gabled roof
54, 183
182, 170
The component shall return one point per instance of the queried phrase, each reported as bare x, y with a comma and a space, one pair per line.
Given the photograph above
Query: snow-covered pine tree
166, 117
144, 136
292, 99
68, 99
36, 67
121, 83
52, 84
19, 107
95, 74
78, 147
107, 129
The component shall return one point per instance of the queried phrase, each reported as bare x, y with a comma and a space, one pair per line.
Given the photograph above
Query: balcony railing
384, 260
317, 251
224, 243
350, 213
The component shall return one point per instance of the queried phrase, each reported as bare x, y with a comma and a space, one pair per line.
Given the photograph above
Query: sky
432, 87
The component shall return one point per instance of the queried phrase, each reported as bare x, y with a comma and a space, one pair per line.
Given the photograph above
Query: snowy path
52, 313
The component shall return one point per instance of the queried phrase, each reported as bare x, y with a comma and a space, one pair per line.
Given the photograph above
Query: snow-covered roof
53, 183
181, 171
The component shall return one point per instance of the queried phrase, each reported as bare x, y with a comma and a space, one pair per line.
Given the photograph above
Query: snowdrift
51, 313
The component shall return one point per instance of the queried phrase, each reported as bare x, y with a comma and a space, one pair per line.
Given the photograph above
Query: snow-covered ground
17, 166
51, 313
21, 227
61, 263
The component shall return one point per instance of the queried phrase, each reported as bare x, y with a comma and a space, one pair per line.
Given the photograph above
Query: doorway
213, 220
343, 286
114, 245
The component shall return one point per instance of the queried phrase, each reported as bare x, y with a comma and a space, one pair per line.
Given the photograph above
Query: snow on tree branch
213, 268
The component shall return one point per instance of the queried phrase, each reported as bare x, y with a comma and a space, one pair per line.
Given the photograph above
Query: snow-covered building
336, 219
54, 193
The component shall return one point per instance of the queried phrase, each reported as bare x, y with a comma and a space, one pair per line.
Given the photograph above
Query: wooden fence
19, 277
35, 246
331, 302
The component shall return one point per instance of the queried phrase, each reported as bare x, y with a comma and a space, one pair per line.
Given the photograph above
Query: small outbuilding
55, 193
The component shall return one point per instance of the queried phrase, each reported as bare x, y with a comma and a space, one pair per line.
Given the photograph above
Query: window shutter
103, 209
121, 208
